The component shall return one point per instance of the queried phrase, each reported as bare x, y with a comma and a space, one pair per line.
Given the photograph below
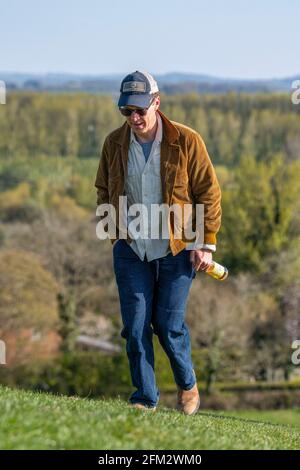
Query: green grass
41, 421
290, 417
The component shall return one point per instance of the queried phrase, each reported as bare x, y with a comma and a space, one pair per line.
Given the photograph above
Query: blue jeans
153, 296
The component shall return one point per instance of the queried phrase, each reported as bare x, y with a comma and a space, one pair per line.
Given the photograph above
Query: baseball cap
137, 89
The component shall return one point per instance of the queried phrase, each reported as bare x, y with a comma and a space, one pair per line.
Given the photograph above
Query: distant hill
170, 83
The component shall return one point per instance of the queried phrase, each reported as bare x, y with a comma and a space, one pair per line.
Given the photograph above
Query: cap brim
140, 101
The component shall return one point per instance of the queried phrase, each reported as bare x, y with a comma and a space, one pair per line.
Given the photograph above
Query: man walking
152, 160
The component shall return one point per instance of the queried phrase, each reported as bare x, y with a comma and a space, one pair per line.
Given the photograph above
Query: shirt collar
158, 135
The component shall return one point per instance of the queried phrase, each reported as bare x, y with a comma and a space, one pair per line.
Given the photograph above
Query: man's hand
201, 259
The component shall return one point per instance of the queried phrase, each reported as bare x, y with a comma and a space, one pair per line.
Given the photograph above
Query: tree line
77, 124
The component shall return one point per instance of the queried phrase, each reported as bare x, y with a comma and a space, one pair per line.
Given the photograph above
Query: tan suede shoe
188, 401
142, 407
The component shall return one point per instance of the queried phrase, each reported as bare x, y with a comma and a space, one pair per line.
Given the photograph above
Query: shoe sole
145, 408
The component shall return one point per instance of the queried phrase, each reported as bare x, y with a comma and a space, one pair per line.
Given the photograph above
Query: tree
259, 207
68, 329
28, 307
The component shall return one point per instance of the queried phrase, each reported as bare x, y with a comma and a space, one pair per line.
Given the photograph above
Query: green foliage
260, 204
83, 373
24, 183
64, 124
28, 298
68, 328
77, 124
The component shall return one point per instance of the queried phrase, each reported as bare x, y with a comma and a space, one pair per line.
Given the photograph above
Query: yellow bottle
217, 271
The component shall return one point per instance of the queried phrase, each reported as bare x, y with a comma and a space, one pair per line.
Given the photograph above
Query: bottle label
218, 270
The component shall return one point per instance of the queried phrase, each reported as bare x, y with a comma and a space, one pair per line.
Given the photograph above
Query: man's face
141, 125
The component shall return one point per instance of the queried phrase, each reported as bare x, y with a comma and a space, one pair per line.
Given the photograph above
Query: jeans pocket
122, 249
115, 243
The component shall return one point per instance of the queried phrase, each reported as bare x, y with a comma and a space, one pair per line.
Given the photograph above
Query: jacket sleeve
102, 176
205, 187
101, 184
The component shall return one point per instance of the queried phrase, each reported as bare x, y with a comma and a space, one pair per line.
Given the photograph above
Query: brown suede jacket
187, 175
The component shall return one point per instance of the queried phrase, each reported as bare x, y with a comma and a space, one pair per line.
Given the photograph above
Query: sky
229, 38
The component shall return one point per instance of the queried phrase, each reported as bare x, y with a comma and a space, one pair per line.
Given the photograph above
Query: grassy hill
40, 421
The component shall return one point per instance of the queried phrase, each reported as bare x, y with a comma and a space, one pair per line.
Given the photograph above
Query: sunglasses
140, 111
